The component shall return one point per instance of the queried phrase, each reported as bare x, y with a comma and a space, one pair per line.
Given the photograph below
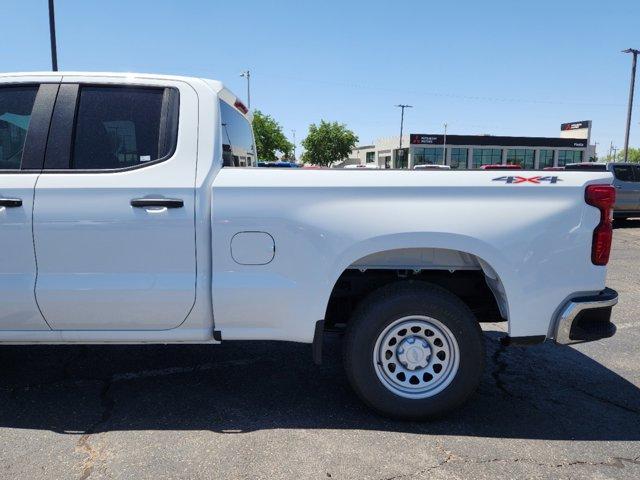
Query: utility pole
294, 145
52, 35
444, 146
402, 107
247, 74
634, 52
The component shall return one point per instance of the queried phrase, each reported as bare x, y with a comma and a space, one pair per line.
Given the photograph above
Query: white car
429, 166
362, 166
126, 217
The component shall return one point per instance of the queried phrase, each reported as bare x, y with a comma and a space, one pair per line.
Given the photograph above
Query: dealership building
466, 152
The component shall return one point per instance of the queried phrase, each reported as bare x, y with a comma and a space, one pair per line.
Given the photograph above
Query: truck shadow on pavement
542, 392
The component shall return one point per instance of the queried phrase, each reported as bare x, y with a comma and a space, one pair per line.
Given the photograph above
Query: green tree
269, 137
327, 143
634, 156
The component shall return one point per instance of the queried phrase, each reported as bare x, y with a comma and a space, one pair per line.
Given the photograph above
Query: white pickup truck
126, 217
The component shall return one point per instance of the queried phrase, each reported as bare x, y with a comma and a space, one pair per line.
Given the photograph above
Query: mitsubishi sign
581, 129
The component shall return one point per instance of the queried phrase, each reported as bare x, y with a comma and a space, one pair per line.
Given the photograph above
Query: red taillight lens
240, 106
603, 197
602, 237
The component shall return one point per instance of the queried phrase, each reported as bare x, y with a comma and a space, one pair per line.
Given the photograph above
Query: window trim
63, 127
36, 138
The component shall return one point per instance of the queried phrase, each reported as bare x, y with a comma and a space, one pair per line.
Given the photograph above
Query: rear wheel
413, 351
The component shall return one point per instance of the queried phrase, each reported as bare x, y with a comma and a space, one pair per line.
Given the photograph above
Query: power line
450, 95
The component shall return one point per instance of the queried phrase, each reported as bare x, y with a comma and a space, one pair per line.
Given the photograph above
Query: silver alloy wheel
416, 357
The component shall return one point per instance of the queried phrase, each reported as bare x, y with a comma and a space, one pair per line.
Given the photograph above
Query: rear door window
120, 127
237, 138
16, 104
624, 173
636, 172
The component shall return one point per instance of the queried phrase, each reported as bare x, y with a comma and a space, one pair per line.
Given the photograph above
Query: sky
483, 67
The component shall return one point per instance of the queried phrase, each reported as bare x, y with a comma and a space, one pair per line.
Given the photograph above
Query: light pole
294, 144
444, 146
634, 52
247, 74
402, 107
52, 35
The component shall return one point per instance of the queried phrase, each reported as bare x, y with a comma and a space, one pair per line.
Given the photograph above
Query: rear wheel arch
433, 264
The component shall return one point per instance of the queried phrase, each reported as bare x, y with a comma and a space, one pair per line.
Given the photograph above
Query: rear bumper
586, 318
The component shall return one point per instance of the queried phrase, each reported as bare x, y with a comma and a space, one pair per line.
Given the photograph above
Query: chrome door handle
10, 202
157, 202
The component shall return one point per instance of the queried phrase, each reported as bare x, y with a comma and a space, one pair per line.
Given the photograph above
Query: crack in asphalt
107, 402
500, 366
500, 359
606, 400
448, 457
129, 376
84, 445
66, 375
614, 462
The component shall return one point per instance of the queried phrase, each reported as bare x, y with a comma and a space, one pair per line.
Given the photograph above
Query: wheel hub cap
413, 353
416, 356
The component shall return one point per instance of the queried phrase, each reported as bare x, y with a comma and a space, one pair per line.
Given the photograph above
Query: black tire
385, 306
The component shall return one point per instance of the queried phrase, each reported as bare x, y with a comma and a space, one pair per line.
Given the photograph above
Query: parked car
428, 166
358, 166
124, 220
501, 167
278, 164
626, 181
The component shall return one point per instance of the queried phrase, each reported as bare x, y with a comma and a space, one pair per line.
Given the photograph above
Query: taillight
240, 106
603, 197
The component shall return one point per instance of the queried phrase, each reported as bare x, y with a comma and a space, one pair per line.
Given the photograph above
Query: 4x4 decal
517, 179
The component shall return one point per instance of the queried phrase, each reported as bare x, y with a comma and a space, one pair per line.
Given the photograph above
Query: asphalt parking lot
263, 410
